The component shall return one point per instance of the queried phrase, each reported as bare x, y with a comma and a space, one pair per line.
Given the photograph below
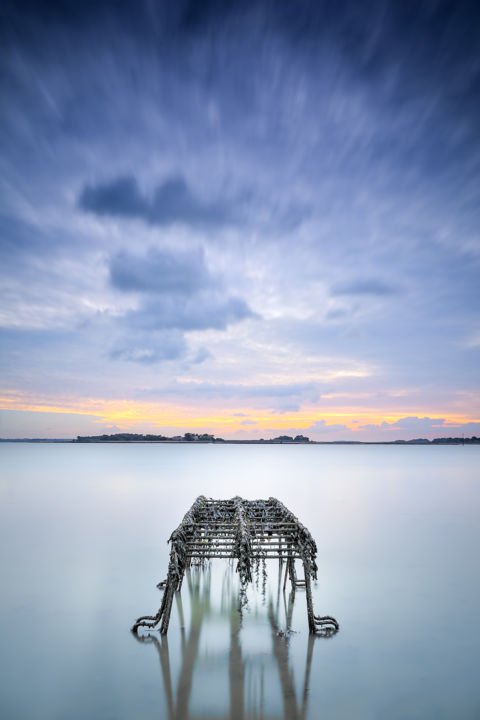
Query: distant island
187, 437
281, 439
207, 438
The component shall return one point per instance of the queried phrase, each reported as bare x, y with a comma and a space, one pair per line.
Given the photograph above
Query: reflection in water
249, 693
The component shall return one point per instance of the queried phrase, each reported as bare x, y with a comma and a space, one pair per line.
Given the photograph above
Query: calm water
83, 532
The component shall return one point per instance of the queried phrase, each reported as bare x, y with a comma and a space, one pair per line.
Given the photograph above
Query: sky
241, 218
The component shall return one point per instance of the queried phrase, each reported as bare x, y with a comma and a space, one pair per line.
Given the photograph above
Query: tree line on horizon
187, 437
206, 437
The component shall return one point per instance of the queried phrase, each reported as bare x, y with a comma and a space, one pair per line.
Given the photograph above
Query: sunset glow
340, 421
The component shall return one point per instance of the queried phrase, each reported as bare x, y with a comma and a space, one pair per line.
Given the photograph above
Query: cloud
178, 294
412, 427
320, 427
411, 423
178, 272
201, 355
472, 428
117, 197
237, 390
416, 423
172, 202
151, 348
363, 286
205, 311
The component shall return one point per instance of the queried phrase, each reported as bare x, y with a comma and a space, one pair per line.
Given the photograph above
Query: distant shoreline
217, 441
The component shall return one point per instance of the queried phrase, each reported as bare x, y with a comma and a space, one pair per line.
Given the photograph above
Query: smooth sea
83, 543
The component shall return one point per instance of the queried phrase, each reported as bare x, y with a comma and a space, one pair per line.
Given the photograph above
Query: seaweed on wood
250, 531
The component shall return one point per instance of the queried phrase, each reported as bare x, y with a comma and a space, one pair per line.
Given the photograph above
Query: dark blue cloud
117, 197
172, 202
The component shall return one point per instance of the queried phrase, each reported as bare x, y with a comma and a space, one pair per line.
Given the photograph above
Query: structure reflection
250, 695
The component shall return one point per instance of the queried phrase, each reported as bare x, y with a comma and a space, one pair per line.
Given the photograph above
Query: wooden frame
247, 530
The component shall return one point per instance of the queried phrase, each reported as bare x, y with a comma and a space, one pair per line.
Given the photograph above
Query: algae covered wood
244, 530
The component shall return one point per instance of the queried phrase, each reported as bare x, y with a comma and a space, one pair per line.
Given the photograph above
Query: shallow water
83, 532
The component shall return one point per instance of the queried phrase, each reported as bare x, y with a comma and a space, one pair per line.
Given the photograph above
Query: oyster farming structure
245, 530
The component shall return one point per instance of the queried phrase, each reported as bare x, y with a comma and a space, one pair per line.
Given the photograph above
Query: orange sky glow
136, 416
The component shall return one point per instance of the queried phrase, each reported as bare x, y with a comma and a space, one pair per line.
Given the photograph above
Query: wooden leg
292, 573
169, 593
308, 592
151, 620
179, 586
286, 573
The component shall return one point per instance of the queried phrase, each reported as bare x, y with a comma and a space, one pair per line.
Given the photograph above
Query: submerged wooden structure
247, 530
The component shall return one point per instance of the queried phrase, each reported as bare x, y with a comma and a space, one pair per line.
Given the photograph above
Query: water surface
83, 532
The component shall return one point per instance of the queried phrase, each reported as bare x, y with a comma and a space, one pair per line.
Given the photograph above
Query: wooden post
287, 565
292, 573
308, 590
179, 586
169, 593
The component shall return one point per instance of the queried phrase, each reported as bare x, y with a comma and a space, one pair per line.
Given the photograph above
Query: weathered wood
308, 589
229, 556
246, 530
292, 574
